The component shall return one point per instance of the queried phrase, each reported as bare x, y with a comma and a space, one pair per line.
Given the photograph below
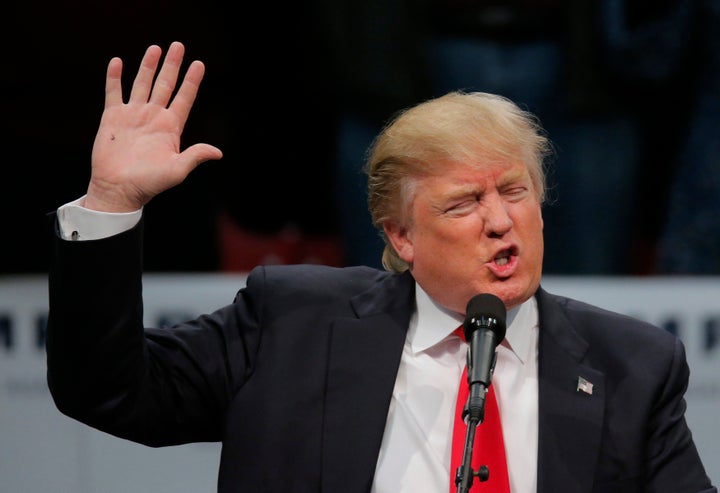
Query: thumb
197, 154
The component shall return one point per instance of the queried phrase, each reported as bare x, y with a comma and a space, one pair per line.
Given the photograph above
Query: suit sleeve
673, 460
156, 386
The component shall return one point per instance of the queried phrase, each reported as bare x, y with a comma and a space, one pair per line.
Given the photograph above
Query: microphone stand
484, 328
473, 414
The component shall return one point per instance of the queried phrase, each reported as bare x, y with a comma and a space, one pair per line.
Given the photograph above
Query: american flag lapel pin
584, 386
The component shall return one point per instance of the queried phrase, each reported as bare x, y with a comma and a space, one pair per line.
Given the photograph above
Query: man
345, 379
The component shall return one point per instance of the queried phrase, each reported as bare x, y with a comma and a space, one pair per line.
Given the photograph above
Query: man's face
473, 230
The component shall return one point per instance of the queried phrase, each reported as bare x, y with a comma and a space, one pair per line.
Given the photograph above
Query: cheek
530, 217
534, 227
439, 235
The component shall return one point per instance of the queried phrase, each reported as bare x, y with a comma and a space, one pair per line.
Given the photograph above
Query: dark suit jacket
295, 377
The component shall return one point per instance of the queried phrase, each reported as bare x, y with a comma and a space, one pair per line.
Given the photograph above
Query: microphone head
486, 311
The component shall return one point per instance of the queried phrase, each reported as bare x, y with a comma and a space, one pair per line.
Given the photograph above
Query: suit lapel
571, 404
364, 358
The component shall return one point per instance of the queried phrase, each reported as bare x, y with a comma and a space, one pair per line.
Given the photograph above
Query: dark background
284, 78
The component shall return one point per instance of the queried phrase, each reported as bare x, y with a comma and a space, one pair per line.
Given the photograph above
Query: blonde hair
459, 127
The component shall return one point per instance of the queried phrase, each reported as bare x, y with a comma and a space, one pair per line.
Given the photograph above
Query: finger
192, 157
146, 73
167, 78
113, 83
197, 154
185, 97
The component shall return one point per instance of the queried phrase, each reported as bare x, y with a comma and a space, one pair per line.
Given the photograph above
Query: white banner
41, 450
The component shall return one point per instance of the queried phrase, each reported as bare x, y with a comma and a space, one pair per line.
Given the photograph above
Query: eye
464, 206
516, 192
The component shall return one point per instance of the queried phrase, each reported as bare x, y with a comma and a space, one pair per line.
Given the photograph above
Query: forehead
504, 171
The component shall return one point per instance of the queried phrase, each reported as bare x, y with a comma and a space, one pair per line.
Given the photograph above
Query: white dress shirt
415, 452
416, 447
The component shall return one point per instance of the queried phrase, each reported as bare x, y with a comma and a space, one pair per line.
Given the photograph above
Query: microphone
484, 327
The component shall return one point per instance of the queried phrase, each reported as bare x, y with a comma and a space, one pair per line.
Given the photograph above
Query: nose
497, 216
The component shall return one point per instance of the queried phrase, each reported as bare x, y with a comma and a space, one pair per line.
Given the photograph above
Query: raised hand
136, 154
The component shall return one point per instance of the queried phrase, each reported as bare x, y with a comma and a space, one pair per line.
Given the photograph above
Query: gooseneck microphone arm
484, 329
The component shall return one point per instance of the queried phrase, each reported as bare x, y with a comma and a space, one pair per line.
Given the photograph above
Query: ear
400, 238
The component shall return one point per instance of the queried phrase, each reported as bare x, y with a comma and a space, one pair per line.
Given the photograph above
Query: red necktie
488, 448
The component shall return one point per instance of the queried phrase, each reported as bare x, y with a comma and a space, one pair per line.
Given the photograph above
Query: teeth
502, 259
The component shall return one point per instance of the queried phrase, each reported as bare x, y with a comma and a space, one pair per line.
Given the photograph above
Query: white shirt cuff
78, 223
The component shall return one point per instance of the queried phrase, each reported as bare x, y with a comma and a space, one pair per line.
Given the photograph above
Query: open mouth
503, 257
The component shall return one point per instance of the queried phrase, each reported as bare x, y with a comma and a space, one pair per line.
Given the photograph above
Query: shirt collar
521, 321
432, 323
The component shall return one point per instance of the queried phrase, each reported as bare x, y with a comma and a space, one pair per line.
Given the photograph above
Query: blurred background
628, 91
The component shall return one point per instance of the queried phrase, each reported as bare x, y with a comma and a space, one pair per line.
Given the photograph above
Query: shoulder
587, 317
320, 277
607, 333
305, 282
313, 292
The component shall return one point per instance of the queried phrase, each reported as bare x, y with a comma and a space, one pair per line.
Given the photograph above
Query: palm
137, 153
